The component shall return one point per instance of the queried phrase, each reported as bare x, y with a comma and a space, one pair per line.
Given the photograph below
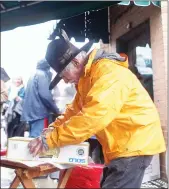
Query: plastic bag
85, 176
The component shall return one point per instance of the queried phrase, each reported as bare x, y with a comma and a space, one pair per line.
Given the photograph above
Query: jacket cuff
50, 142
51, 126
54, 125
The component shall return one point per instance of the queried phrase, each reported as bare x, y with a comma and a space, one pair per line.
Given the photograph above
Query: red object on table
85, 176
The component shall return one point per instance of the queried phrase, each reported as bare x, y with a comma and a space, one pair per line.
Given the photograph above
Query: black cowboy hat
60, 52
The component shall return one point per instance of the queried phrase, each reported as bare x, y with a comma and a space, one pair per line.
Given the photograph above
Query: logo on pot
80, 151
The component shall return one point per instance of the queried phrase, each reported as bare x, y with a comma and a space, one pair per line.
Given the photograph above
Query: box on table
17, 149
153, 170
72, 154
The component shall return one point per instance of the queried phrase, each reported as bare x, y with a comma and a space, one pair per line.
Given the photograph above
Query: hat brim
57, 78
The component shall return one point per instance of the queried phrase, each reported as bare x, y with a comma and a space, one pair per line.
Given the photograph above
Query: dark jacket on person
38, 100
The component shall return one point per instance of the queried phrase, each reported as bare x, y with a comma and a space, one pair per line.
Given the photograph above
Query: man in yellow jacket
111, 104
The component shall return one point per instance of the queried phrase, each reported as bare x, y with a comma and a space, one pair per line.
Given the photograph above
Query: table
25, 173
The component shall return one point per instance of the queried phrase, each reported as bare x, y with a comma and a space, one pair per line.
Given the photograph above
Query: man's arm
103, 102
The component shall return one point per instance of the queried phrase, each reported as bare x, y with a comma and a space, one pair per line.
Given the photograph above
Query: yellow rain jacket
112, 104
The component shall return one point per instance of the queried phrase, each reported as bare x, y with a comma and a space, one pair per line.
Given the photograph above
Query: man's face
73, 74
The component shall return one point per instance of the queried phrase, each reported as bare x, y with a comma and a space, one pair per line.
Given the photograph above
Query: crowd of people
11, 106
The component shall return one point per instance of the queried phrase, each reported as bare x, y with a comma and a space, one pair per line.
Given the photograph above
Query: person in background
38, 102
3, 124
4, 99
17, 89
56, 95
111, 104
4, 92
16, 93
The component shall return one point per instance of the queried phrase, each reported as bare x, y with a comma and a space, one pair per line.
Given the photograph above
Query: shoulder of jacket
107, 66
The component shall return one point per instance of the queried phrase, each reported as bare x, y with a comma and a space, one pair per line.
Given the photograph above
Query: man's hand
18, 98
38, 145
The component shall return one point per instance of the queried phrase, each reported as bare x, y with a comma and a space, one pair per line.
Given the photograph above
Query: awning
23, 13
141, 3
91, 25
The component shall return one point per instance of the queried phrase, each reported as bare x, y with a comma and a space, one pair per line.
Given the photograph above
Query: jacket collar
93, 58
90, 61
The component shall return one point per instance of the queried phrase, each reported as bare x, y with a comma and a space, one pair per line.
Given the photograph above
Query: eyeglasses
74, 60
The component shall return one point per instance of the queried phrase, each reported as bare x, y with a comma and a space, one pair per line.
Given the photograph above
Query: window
144, 67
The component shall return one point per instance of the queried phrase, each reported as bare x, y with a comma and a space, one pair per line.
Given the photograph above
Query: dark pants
37, 126
15, 126
125, 172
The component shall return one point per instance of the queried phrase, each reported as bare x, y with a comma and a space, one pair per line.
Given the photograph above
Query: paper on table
36, 163
40, 162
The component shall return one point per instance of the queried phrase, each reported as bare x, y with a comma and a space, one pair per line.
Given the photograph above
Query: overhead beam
18, 7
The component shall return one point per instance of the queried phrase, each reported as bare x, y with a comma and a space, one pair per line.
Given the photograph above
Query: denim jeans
125, 172
36, 128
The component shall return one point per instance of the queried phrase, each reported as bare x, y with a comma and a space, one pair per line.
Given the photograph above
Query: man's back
135, 128
38, 102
